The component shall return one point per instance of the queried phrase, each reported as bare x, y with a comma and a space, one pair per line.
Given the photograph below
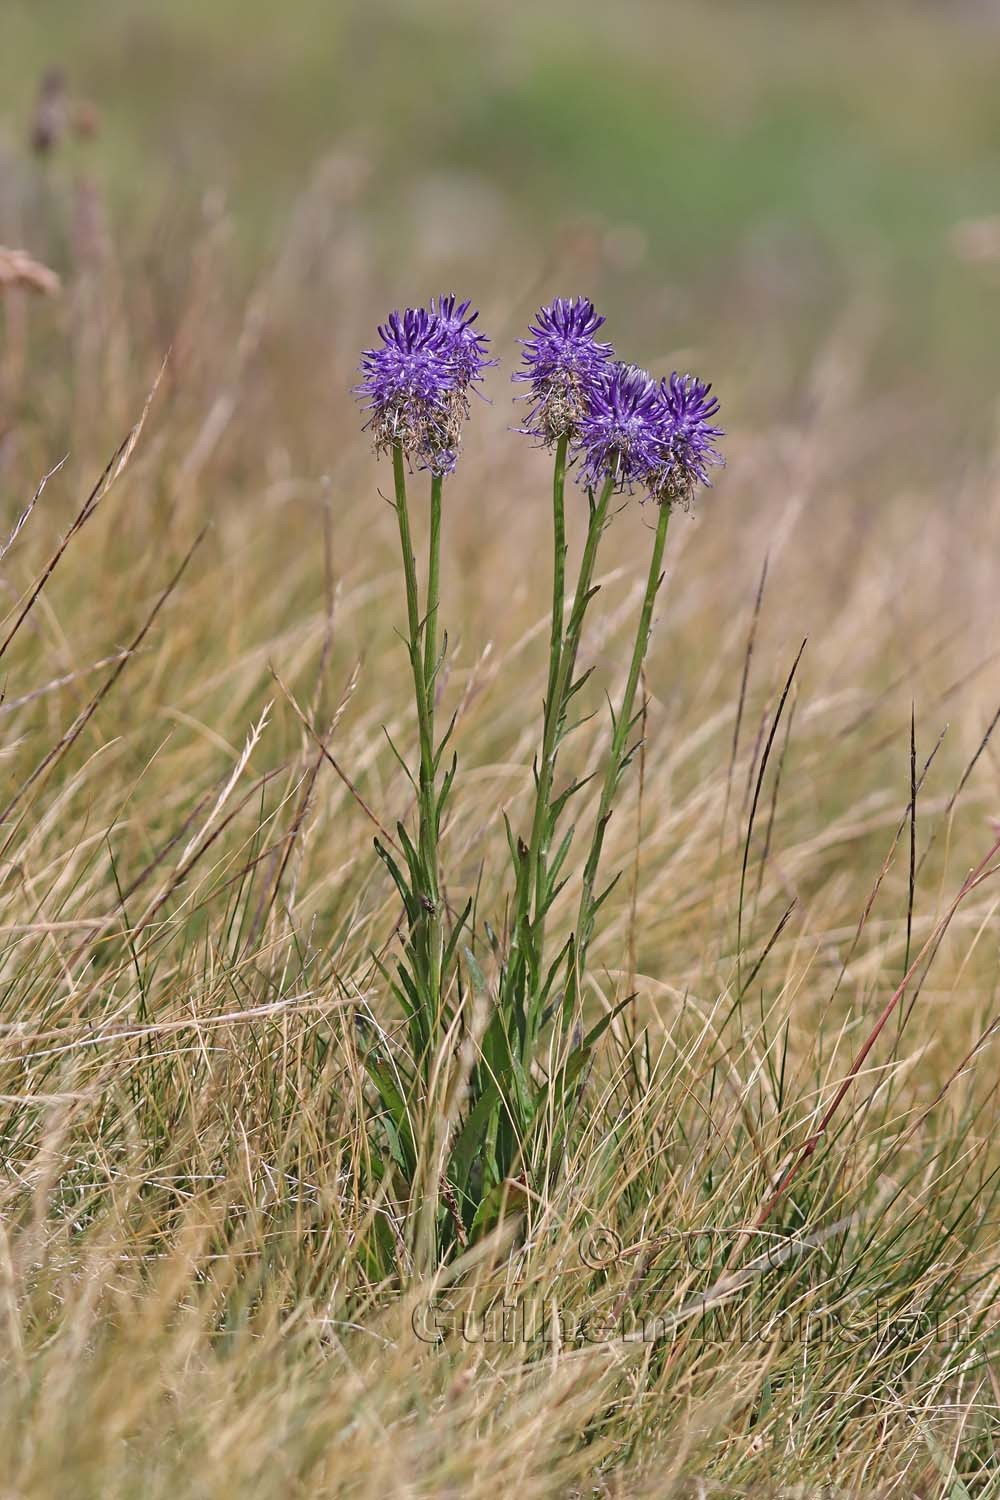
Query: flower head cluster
622, 425
415, 383
660, 437
688, 409
564, 362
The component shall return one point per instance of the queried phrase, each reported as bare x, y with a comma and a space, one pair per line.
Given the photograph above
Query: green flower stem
566, 666
433, 595
619, 747
436, 933
427, 842
552, 705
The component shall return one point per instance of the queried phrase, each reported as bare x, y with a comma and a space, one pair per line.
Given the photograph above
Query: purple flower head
688, 408
413, 389
468, 346
623, 433
563, 363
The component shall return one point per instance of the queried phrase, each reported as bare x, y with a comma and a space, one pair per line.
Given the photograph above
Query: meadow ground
206, 1285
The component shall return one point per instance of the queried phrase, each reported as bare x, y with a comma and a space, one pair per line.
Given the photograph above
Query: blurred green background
749, 175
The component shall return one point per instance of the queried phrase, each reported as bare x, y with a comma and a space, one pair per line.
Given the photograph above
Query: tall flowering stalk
563, 366
658, 438
415, 386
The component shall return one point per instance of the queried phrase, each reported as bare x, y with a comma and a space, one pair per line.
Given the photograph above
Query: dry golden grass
190, 902
17, 268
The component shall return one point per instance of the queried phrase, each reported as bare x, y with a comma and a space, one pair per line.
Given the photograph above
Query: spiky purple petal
622, 434
468, 346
